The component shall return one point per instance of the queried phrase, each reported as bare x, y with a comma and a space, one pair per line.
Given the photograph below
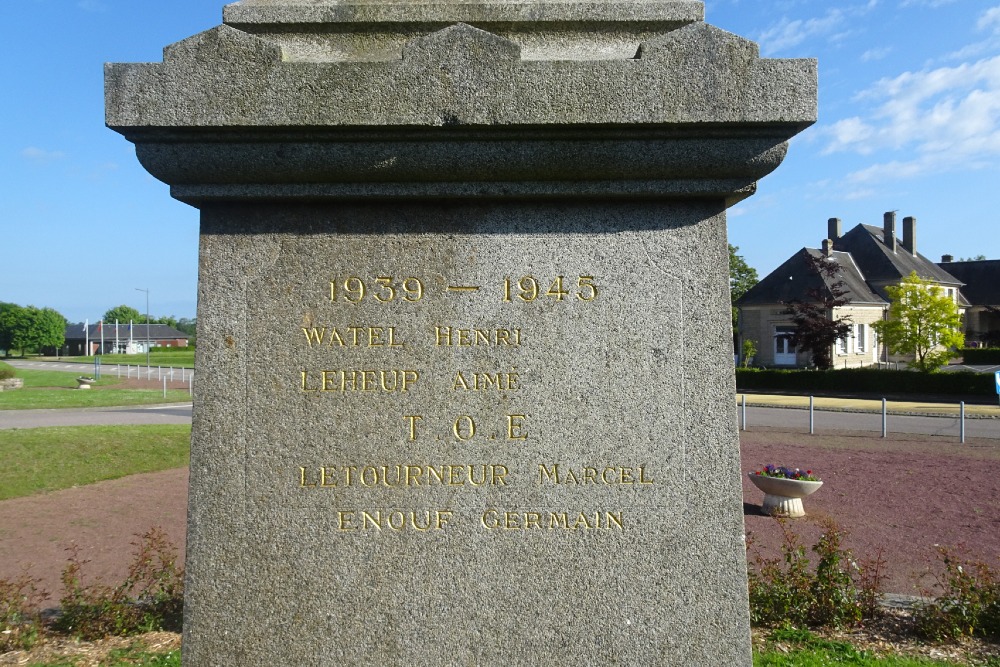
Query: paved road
854, 421
175, 413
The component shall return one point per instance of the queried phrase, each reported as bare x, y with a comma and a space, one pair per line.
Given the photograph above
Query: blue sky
909, 121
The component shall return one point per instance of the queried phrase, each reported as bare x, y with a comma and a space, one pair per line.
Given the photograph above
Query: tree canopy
124, 314
742, 277
923, 321
816, 328
29, 329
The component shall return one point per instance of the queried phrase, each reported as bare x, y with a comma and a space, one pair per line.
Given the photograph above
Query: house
869, 259
982, 293
104, 338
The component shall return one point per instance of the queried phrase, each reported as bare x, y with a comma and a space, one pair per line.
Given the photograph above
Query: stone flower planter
11, 384
783, 497
84, 383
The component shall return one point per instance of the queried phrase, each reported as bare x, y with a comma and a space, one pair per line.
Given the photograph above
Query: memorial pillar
465, 383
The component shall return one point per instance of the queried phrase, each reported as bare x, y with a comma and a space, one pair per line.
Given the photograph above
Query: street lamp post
139, 289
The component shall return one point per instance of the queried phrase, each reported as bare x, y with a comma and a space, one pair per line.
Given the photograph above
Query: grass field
36, 460
57, 389
162, 356
791, 647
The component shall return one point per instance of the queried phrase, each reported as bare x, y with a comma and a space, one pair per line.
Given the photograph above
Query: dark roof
796, 278
981, 278
156, 332
880, 265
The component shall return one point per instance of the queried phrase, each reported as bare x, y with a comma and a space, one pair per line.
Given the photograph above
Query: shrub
969, 603
20, 620
150, 598
981, 355
864, 380
839, 591
6, 371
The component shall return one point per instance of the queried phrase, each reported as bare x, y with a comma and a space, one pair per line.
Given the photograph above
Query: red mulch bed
904, 494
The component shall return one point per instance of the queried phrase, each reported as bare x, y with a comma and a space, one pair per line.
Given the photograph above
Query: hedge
981, 355
865, 381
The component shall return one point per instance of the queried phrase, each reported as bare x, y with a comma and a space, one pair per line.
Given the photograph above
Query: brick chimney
947, 259
910, 235
827, 247
889, 230
833, 229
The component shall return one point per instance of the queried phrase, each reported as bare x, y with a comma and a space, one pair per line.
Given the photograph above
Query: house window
860, 338
842, 345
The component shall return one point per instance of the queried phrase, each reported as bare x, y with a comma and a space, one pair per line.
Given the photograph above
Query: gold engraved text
493, 519
359, 380
485, 381
458, 337
352, 337
403, 475
421, 521
607, 476
465, 428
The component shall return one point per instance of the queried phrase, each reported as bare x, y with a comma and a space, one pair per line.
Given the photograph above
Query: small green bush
20, 622
6, 371
839, 591
981, 355
864, 381
150, 598
969, 603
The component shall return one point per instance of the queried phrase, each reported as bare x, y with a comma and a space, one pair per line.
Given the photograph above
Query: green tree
742, 277
124, 314
10, 315
816, 329
29, 329
923, 321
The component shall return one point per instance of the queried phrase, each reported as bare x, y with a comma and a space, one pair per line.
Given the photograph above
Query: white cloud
933, 4
788, 33
40, 156
835, 25
954, 111
875, 54
990, 20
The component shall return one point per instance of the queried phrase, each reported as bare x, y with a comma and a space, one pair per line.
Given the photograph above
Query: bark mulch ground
904, 495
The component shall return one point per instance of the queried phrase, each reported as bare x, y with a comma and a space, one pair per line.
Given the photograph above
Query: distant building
107, 338
982, 292
870, 259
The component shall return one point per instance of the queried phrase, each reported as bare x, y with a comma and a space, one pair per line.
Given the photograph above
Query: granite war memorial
464, 390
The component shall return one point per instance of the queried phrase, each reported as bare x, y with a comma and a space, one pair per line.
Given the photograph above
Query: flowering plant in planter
787, 473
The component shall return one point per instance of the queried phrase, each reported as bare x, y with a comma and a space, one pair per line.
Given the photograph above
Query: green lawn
845, 655
37, 460
57, 389
801, 648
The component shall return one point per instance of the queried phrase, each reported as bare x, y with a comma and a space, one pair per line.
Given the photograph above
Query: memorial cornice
231, 113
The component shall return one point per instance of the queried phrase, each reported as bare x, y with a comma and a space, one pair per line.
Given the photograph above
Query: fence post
812, 418
961, 421
164, 387
744, 412
884, 430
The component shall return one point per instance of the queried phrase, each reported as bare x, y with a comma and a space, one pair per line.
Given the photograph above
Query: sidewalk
870, 405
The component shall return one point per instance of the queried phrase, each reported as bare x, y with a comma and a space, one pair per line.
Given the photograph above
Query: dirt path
906, 494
